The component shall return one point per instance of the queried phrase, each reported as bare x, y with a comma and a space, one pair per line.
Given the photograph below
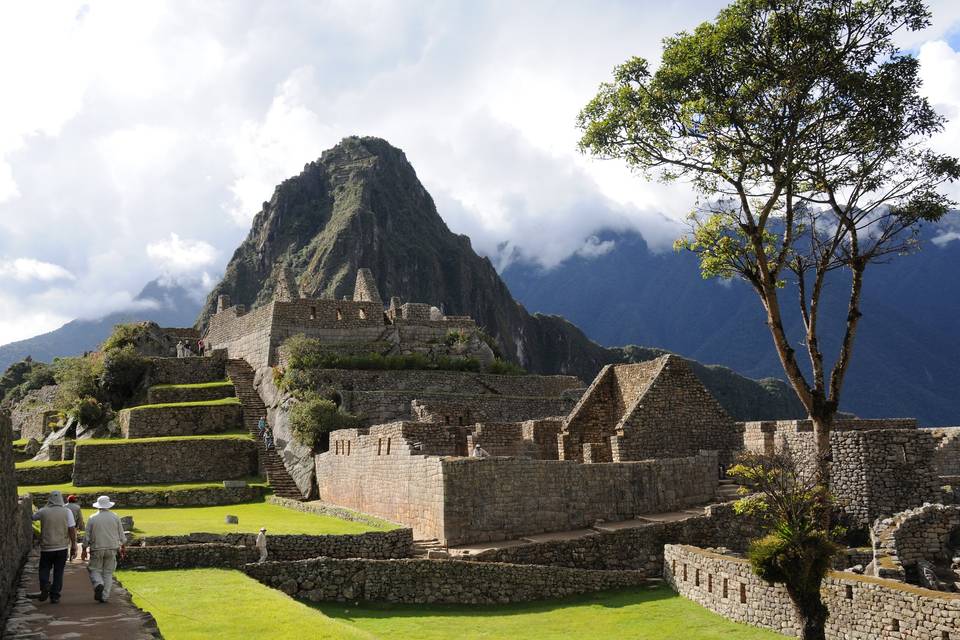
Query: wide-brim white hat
103, 502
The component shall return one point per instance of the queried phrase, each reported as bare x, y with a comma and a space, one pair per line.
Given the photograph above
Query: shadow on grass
615, 599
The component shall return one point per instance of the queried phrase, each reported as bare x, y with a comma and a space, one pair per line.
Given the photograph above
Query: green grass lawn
34, 464
169, 521
68, 488
22, 442
197, 385
227, 604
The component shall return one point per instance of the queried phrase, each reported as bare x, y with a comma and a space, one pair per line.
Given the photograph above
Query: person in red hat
77, 512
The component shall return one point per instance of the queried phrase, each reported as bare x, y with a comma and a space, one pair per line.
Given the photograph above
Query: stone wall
164, 461
501, 439
149, 422
243, 334
502, 498
402, 472
877, 467
543, 434
210, 496
324, 509
49, 474
861, 607
166, 394
916, 535
376, 407
193, 370
636, 547
946, 460
189, 556
16, 532
381, 545
430, 581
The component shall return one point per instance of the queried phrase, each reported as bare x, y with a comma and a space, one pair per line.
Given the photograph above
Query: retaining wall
52, 474
164, 461
179, 421
192, 370
429, 581
165, 395
207, 497
861, 608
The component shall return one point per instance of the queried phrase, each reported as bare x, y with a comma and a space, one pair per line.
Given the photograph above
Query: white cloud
136, 125
27, 269
175, 255
593, 247
946, 238
940, 73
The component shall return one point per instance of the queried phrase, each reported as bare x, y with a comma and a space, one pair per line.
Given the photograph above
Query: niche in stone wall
362, 314
339, 315
313, 313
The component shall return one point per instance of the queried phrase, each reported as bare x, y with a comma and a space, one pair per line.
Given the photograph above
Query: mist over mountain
166, 303
906, 350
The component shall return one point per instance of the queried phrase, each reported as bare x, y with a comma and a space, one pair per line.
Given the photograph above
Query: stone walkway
77, 615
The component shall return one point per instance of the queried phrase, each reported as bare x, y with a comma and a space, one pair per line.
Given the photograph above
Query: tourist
77, 512
200, 347
480, 452
261, 426
268, 438
58, 533
180, 348
261, 544
104, 539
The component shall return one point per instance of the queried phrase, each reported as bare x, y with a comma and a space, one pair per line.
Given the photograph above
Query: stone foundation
193, 370
430, 581
861, 608
53, 474
170, 394
208, 497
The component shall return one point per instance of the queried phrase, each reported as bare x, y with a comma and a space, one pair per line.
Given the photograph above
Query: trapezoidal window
388, 446
313, 313
379, 446
362, 314
339, 315
348, 447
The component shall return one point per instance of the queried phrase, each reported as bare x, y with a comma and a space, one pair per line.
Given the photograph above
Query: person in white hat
104, 539
58, 533
261, 544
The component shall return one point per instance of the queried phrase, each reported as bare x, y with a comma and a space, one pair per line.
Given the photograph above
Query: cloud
163, 126
946, 238
176, 256
27, 269
593, 247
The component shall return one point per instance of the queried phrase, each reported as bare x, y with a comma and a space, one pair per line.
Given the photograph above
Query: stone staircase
241, 373
728, 490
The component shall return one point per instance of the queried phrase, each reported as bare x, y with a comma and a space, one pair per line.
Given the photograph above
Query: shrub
124, 335
78, 378
456, 337
123, 372
88, 411
505, 368
315, 416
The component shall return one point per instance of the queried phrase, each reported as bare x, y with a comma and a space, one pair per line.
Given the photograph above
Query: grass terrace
198, 385
222, 402
638, 614
114, 490
37, 464
22, 442
172, 521
229, 435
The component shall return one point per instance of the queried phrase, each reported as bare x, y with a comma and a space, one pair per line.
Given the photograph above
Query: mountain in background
361, 205
907, 346
173, 306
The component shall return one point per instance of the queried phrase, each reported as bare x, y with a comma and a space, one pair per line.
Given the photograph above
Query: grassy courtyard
638, 614
115, 490
168, 521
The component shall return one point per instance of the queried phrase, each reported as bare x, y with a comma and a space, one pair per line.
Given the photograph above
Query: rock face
361, 206
297, 458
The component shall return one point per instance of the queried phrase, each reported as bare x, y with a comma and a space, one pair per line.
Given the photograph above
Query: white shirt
261, 540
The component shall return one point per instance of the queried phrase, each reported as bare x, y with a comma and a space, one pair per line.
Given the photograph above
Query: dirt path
77, 615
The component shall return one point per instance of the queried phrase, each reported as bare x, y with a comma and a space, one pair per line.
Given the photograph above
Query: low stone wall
208, 497
378, 407
946, 459
193, 370
51, 474
637, 548
382, 545
324, 509
164, 461
861, 608
16, 533
429, 581
917, 534
189, 556
180, 421
169, 394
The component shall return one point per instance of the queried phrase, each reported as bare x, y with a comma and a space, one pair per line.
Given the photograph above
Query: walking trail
77, 615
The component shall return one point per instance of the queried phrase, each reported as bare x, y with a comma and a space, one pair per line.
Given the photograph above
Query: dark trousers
54, 560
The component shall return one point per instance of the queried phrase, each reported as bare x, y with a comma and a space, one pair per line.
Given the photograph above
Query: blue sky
139, 139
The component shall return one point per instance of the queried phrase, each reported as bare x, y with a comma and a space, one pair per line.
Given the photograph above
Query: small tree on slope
800, 124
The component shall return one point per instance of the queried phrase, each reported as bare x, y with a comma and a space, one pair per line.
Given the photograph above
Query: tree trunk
811, 613
822, 425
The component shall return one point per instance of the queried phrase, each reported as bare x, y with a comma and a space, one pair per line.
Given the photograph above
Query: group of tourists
265, 433
186, 348
103, 541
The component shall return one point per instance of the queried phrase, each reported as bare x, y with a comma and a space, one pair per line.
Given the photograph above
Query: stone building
654, 409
